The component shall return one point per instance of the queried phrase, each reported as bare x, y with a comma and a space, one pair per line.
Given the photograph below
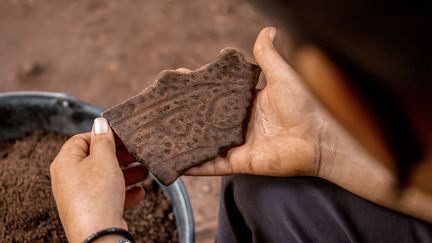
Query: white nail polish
100, 125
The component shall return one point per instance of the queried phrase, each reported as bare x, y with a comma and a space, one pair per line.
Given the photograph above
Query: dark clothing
307, 209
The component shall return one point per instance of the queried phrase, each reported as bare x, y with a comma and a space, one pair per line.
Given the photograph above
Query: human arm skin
290, 134
346, 163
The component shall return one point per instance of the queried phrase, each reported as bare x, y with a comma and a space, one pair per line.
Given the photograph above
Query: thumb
267, 57
238, 160
102, 143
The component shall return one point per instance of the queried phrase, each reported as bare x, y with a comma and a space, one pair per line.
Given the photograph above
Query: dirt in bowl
28, 211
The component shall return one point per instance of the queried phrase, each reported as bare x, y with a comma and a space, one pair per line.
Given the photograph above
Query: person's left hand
283, 135
89, 185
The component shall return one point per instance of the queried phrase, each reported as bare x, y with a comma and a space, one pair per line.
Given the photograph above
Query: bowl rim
175, 192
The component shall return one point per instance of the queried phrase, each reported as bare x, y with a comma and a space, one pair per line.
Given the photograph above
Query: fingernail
100, 125
272, 33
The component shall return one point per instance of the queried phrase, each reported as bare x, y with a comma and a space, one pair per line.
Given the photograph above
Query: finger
135, 174
216, 167
184, 70
237, 161
267, 57
102, 143
123, 156
133, 196
77, 146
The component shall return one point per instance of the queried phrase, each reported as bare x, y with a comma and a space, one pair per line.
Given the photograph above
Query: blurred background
103, 52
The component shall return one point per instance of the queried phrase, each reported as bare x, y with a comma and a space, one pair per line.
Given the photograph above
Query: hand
283, 133
290, 134
90, 187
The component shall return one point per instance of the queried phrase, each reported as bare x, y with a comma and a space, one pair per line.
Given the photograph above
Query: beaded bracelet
110, 231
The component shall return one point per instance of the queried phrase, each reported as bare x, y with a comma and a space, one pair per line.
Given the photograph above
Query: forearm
345, 163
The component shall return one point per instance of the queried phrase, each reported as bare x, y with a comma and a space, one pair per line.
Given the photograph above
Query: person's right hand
90, 186
284, 130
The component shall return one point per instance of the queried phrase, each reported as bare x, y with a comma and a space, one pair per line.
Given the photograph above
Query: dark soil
28, 211
152, 220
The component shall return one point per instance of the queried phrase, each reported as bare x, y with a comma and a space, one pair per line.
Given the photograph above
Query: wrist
78, 232
339, 155
109, 239
111, 234
332, 147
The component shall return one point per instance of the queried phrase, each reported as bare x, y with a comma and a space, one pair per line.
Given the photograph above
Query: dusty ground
105, 51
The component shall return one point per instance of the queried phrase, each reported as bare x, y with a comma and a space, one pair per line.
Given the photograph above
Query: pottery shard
183, 120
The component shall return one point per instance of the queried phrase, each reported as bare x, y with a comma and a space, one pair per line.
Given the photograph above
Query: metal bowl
24, 112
